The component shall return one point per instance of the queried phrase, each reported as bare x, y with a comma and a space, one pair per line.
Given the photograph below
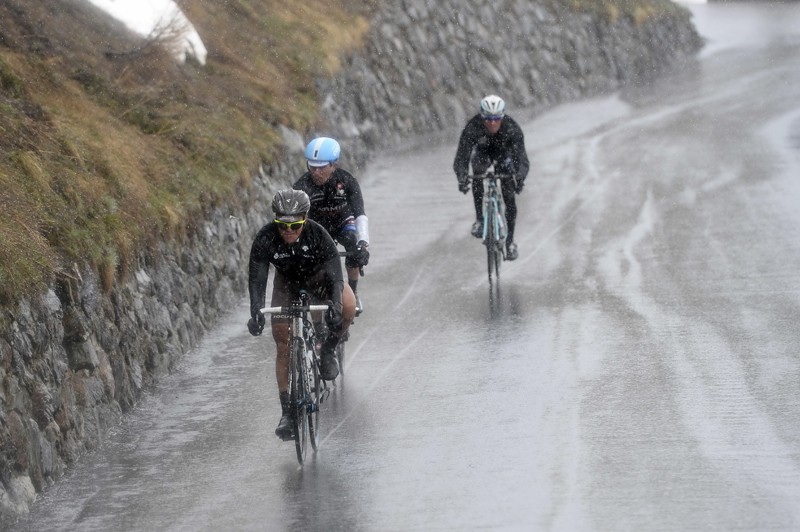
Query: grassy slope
638, 10
106, 145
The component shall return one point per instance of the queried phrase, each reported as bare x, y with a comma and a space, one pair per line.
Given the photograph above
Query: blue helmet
322, 151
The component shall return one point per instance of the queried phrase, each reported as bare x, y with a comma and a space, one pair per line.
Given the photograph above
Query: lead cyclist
338, 205
305, 257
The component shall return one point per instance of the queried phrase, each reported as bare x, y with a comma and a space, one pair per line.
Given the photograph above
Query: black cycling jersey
507, 142
314, 252
334, 203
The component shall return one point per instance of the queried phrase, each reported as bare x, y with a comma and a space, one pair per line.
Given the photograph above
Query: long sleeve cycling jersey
313, 252
507, 142
336, 202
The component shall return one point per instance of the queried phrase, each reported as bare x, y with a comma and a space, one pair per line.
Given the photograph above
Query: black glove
518, 184
362, 253
333, 316
463, 184
506, 167
256, 324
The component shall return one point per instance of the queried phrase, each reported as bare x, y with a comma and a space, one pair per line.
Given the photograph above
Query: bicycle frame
495, 229
494, 213
305, 391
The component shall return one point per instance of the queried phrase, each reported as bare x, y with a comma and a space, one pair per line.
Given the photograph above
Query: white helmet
493, 106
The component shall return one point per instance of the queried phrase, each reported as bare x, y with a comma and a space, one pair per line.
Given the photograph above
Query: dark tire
298, 395
494, 256
315, 387
340, 357
498, 260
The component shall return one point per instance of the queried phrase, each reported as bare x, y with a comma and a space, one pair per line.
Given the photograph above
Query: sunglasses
289, 226
318, 168
492, 118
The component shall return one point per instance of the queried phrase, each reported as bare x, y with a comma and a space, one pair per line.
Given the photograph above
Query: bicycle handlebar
292, 308
346, 254
490, 175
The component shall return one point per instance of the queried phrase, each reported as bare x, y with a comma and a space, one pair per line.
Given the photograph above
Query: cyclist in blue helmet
493, 138
304, 257
337, 205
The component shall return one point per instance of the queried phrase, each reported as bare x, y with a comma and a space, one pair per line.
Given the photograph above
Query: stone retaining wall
429, 63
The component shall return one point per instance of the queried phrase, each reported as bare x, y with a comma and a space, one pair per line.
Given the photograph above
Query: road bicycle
322, 332
359, 310
307, 390
495, 228
322, 329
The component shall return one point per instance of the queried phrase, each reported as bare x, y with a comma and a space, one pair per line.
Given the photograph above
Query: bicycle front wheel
299, 395
494, 256
315, 389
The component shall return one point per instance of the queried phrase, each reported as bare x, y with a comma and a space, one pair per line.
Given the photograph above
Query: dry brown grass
639, 11
106, 145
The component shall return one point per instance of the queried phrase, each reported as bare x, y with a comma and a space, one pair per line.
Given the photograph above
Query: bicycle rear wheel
498, 260
298, 395
340, 356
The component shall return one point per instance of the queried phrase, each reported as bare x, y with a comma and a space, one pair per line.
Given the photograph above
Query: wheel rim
298, 397
340, 357
313, 412
492, 259
498, 260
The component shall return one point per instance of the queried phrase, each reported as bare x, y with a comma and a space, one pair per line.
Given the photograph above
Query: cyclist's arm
465, 144
362, 228
333, 269
519, 153
258, 274
356, 202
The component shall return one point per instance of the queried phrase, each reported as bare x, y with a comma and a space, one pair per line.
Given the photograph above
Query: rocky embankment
74, 360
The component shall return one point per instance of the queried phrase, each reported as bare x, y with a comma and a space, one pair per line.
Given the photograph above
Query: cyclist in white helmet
493, 138
337, 205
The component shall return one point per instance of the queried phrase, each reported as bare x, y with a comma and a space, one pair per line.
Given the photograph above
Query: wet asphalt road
643, 373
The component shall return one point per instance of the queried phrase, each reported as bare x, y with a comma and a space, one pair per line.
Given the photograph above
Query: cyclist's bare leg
352, 280
349, 239
348, 308
329, 367
480, 164
280, 333
509, 198
352, 274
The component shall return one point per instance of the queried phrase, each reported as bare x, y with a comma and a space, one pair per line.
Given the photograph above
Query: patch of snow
158, 19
